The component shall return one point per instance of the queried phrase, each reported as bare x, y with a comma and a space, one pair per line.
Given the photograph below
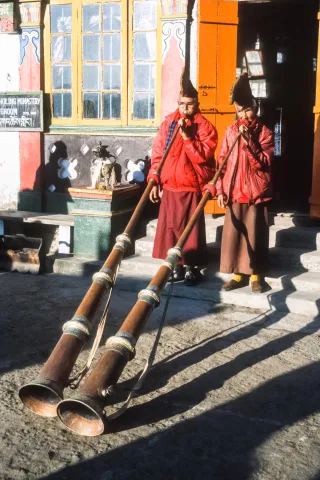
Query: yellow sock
237, 277
254, 278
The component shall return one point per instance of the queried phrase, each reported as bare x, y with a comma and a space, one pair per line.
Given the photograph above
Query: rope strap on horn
150, 295
122, 242
75, 381
78, 326
148, 366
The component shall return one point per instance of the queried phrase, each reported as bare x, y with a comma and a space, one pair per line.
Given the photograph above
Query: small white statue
102, 170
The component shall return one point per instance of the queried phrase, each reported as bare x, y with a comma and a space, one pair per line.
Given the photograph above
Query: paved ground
234, 394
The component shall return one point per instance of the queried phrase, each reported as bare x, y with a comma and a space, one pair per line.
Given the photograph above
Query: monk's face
188, 106
245, 113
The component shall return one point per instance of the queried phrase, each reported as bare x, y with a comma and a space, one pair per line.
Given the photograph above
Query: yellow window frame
124, 63
48, 66
126, 66
156, 120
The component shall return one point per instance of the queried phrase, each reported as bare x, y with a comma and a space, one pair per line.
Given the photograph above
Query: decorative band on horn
122, 242
104, 276
173, 256
150, 295
78, 326
123, 343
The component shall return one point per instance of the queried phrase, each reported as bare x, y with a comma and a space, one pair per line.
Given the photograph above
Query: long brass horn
84, 414
44, 393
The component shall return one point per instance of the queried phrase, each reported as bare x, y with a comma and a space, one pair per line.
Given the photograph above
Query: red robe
188, 167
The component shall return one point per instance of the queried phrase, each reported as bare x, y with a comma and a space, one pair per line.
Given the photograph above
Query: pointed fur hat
241, 93
186, 87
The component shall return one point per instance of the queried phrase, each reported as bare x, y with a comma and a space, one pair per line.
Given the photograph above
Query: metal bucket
20, 253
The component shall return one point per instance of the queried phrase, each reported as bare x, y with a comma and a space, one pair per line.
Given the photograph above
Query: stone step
298, 302
136, 272
288, 237
295, 280
283, 258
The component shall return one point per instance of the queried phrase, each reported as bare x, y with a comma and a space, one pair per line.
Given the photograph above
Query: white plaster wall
194, 45
9, 141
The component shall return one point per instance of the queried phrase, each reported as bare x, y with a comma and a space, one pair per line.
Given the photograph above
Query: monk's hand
183, 128
221, 201
154, 194
243, 129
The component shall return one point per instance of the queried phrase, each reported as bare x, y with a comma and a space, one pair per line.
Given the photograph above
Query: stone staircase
293, 277
294, 274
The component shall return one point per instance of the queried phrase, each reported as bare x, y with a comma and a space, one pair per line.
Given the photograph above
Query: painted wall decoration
125, 149
30, 14
67, 168
176, 30
173, 7
173, 58
135, 171
7, 19
30, 37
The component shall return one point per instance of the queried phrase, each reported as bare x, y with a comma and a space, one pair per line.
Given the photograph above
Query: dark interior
288, 34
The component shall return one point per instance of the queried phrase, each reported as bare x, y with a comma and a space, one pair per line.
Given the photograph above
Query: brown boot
256, 286
233, 284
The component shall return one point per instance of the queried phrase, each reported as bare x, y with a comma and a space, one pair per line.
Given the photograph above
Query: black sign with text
21, 111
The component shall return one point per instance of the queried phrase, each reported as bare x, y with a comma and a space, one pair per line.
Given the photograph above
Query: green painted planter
99, 216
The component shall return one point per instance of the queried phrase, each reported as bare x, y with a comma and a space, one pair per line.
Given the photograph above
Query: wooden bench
64, 225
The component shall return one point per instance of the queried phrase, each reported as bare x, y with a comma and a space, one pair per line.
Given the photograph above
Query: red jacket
250, 164
190, 163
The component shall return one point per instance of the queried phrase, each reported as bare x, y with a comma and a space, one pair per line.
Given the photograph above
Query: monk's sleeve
260, 154
223, 152
201, 151
158, 150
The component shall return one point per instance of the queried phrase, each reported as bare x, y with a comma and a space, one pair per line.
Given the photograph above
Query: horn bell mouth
82, 415
41, 397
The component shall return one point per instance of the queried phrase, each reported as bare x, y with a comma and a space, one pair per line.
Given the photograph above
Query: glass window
61, 60
144, 57
102, 56
103, 52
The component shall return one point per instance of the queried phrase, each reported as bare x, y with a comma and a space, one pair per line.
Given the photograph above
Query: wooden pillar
315, 195
30, 80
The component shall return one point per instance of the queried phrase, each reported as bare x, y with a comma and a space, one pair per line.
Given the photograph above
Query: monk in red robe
188, 168
245, 190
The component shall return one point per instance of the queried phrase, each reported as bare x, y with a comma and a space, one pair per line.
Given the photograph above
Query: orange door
218, 28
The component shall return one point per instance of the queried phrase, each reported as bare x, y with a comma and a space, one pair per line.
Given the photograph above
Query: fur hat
186, 87
241, 93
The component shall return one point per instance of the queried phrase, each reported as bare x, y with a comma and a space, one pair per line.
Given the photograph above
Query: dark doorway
287, 32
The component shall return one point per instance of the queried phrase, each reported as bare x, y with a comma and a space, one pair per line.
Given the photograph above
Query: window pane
111, 17
144, 76
61, 48
91, 105
111, 46
61, 105
91, 47
143, 105
144, 46
91, 77
61, 77
111, 105
91, 18
60, 18
111, 77
145, 15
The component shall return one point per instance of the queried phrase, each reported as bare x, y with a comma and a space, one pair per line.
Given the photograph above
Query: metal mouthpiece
82, 415
42, 397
